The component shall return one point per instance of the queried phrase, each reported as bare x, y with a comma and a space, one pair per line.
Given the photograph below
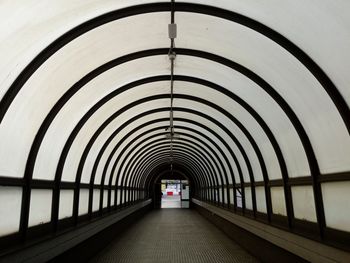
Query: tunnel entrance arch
175, 194
175, 177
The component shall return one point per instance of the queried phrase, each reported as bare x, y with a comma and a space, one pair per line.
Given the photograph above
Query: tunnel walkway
173, 235
236, 106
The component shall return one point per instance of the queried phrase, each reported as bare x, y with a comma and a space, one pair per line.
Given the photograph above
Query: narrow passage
173, 235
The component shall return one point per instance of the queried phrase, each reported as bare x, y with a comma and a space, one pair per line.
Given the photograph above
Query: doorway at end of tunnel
175, 194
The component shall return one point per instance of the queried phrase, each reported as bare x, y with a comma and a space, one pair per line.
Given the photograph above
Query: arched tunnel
241, 105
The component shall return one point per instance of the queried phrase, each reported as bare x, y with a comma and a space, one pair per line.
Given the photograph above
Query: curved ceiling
261, 105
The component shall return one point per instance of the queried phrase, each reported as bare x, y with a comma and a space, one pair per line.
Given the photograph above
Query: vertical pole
172, 58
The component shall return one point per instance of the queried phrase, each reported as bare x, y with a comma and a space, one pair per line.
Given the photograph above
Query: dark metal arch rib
141, 154
202, 142
85, 118
208, 139
162, 152
200, 181
207, 164
278, 38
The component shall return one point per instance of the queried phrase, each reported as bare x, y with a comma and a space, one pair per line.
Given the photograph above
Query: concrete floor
173, 235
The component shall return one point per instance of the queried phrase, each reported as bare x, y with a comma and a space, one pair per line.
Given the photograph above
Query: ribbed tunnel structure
260, 109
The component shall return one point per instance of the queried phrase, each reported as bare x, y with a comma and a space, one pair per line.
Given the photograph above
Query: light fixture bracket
172, 30
172, 55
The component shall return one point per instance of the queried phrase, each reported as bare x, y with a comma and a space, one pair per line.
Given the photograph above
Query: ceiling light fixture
172, 32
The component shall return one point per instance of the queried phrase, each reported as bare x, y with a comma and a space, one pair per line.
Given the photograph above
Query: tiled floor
173, 235
171, 201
